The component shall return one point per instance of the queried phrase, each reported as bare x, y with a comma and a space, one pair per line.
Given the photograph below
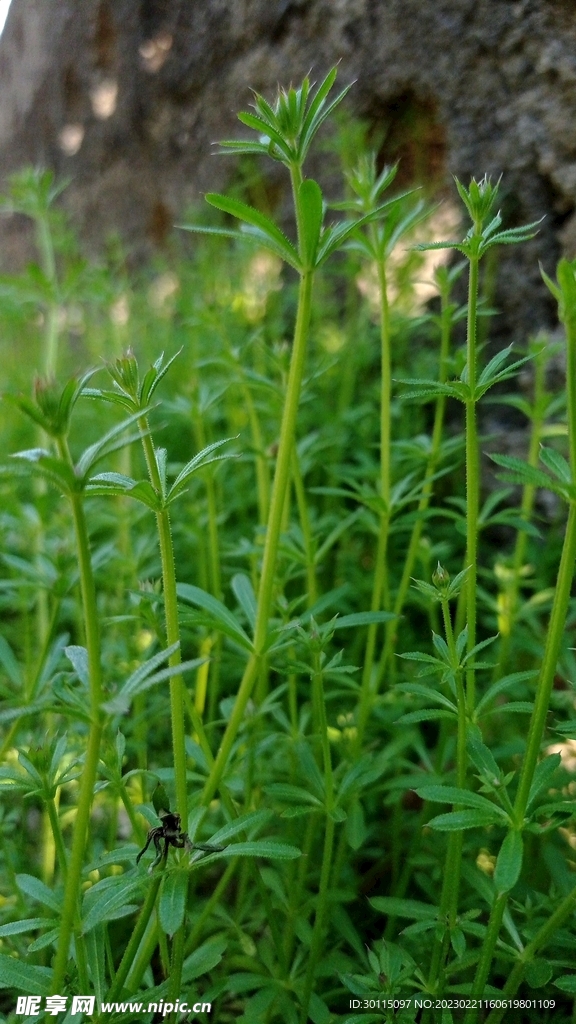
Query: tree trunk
126, 98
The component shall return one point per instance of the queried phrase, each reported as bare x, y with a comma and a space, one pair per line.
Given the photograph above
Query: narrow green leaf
318, 1011
361, 619
260, 848
103, 901
509, 862
109, 443
454, 821
412, 909
537, 973
173, 900
24, 977
557, 464
96, 957
244, 823
237, 146
218, 612
244, 592
428, 715
49, 938
144, 670
453, 795
356, 831
203, 959
9, 663
196, 463
501, 686
78, 658
38, 891
120, 704
31, 924
40, 462
259, 124
520, 472
566, 983
494, 365
482, 758
310, 123
543, 775
428, 693
266, 228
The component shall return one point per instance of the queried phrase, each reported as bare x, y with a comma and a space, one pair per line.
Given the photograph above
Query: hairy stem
437, 431
322, 902
279, 489
88, 778
472, 479
380, 583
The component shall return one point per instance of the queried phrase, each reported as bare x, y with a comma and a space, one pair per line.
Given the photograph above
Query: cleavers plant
306, 649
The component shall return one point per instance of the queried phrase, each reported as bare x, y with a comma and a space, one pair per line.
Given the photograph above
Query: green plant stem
322, 902
380, 583
311, 583
172, 629
451, 876
88, 778
214, 567
552, 649
176, 964
526, 509
541, 939
554, 638
537, 724
46, 249
57, 834
472, 479
437, 431
136, 937
262, 470
487, 952
176, 682
279, 490
142, 958
296, 889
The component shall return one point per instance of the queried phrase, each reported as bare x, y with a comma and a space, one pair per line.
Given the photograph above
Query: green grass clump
287, 720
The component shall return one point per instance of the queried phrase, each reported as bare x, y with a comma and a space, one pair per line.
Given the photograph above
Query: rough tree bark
126, 97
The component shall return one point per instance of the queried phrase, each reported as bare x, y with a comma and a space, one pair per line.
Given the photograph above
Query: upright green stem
212, 669
526, 508
487, 952
552, 649
136, 937
279, 488
57, 833
437, 431
46, 248
262, 471
176, 681
472, 478
88, 778
322, 903
172, 630
311, 584
380, 584
554, 638
451, 877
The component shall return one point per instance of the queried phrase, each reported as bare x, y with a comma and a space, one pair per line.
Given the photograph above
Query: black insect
170, 831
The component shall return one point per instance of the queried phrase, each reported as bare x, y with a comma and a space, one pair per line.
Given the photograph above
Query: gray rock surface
126, 98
